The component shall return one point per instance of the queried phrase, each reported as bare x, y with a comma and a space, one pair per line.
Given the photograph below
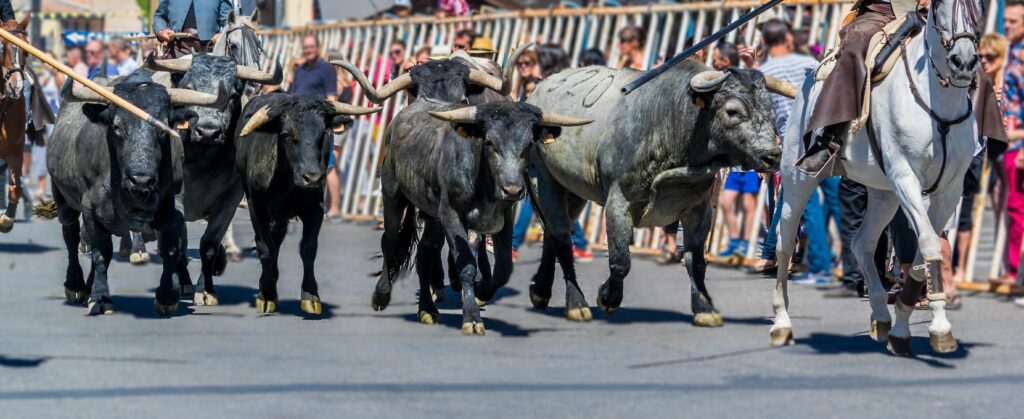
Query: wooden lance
106, 93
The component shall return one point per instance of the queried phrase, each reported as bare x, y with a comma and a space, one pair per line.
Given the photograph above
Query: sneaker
1019, 302
582, 255
813, 278
515, 255
741, 248
734, 245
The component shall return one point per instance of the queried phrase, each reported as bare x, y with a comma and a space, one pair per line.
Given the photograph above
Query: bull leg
881, 206
620, 235
465, 264
211, 251
696, 225
795, 193
124, 249
312, 220
75, 291
453, 275
265, 249
170, 224
14, 190
552, 200
428, 259
184, 278
502, 259
396, 208
102, 250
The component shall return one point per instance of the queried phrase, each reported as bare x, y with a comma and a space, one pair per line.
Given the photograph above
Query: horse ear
255, 15
25, 21
231, 18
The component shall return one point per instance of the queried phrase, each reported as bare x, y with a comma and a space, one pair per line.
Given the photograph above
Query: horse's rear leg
796, 189
881, 206
14, 190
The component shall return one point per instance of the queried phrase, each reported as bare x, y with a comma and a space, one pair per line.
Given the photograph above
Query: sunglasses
989, 57
525, 64
396, 52
460, 47
624, 40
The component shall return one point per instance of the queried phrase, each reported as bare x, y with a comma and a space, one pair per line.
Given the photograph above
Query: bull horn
486, 80
341, 108
510, 68
260, 117
175, 65
552, 119
80, 93
188, 97
272, 77
708, 81
465, 115
782, 87
374, 95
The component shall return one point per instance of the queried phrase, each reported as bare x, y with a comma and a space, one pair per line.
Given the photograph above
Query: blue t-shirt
96, 72
318, 79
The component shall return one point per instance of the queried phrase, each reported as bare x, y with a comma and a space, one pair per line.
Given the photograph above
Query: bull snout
208, 132
770, 160
139, 183
963, 61
310, 179
511, 192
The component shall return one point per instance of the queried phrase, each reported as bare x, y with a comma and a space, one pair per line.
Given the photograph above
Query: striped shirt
792, 68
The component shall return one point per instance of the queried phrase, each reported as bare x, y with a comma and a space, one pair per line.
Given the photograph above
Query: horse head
12, 79
955, 22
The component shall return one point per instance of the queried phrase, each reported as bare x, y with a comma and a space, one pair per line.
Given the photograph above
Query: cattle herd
457, 159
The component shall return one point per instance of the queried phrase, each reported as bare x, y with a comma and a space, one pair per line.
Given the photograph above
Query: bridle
17, 66
959, 29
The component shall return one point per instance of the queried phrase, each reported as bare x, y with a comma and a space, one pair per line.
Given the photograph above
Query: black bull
118, 173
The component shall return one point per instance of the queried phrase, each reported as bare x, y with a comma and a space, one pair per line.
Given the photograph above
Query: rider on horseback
843, 89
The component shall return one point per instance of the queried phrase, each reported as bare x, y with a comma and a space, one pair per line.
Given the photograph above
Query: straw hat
482, 47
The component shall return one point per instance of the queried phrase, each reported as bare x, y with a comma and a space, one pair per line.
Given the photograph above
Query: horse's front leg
940, 331
796, 189
881, 207
14, 191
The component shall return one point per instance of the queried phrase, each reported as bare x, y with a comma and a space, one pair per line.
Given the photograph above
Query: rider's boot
822, 151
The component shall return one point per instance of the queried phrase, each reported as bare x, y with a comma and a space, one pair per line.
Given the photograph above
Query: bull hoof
75, 297
165, 309
606, 300
943, 343
899, 346
430, 317
707, 319
578, 314
139, 258
479, 302
102, 306
540, 302
205, 299
437, 294
6, 224
265, 306
880, 330
311, 304
473, 328
782, 336
380, 300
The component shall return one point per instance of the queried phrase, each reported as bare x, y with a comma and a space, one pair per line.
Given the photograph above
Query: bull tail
401, 260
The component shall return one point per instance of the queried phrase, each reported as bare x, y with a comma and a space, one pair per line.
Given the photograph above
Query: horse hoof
205, 299
265, 306
473, 328
437, 294
75, 297
539, 302
430, 317
899, 346
706, 319
139, 258
880, 330
104, 307
165, 309
380, 300
782, 336
311, 306
6, 224
943, 343
579, 314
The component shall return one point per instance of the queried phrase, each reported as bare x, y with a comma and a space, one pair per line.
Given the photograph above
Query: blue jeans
819, 254
523, 224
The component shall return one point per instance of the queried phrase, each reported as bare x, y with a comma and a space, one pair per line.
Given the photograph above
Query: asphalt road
647, 360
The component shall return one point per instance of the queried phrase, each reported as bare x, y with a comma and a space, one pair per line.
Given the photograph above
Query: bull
119, 174
212, 186
651, 161
458, 167
282, 145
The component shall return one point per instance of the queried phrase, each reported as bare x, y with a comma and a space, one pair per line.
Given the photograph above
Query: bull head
710, 81
268, 113
245, 73
405, 81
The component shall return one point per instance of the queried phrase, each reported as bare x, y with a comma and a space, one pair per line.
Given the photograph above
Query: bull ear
181, 118
339, 123
546, 134
97, 113
708, 81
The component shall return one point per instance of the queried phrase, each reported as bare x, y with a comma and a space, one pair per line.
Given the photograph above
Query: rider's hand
216, 36
748, 56
165, 35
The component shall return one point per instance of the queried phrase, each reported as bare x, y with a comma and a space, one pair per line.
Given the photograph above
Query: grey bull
651, 160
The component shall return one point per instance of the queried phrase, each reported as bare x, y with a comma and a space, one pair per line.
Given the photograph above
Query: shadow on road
12, 362
628, 315
505, 329
25, 248
833, 344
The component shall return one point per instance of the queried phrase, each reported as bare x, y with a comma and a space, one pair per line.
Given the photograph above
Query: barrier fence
670, 28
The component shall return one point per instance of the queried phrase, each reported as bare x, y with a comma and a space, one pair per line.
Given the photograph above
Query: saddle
880, 59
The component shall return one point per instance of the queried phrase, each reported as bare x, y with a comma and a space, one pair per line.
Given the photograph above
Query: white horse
921, 170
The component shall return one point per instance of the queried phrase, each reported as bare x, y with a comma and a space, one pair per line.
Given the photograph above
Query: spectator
552, 59
631, 47
396, 55
726, 55
121, 56
784, 64
463, 40
482, 47
75, 58
94, 59
446, 8
401, 9
422, 55
315, 76
592, 56
333, 200
529, 73
1013, 99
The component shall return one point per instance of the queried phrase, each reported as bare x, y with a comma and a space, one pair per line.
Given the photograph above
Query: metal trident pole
646, 77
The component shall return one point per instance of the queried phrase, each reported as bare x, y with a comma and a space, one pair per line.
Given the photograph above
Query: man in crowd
98, 66
463, 40
76, 60
315, 76
631, 47
121, 56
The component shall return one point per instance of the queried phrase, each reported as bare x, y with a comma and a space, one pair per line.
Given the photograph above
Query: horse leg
881, 206
940, 332
696, 224
796, 189
14, 190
